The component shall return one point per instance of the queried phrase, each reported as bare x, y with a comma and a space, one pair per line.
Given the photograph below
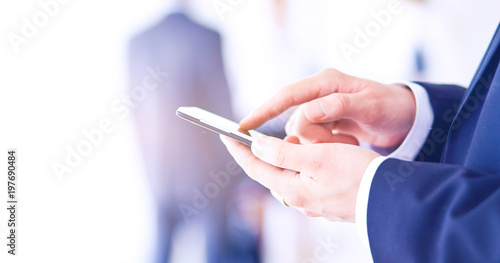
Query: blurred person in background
181, 159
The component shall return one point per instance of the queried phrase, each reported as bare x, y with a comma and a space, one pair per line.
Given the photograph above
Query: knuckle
325, 77
330, 72
310, 214
295, 200
375, 104
316, 161
281, 157
341, 102
316, 164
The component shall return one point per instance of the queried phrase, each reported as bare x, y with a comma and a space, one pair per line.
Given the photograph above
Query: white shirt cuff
362, 199
424, 117
408, 150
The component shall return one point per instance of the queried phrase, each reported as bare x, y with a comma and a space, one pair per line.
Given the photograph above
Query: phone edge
198, 122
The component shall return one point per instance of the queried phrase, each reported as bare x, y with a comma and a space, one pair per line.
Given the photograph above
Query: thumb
339, 138
336, 106
280, 153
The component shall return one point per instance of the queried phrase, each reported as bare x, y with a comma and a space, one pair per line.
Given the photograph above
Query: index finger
319, 85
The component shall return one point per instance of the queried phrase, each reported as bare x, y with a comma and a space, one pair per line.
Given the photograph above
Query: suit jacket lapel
480, 74
480, 78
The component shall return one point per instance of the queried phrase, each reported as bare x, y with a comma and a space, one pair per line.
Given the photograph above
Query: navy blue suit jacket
445, 206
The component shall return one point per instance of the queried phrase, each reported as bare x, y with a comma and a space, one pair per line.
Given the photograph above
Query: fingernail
259, 144
316, 109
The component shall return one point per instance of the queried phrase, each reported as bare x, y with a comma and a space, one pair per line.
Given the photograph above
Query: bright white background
61, 83
64, 80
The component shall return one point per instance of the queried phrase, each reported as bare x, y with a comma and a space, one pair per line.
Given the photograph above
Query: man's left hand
320, 180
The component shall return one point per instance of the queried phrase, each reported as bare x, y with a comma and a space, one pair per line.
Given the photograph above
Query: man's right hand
337, 106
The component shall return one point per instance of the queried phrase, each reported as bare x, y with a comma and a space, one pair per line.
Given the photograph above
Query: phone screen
216, 123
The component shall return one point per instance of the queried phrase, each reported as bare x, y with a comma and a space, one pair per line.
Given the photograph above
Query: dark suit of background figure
446, 207
179, 155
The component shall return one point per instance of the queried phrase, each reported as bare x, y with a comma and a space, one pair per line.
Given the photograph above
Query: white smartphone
216, 123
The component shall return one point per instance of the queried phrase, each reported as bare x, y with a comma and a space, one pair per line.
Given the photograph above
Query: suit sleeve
444, 100
431, 212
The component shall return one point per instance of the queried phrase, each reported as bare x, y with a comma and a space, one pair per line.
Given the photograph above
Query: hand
379, 114
318, 179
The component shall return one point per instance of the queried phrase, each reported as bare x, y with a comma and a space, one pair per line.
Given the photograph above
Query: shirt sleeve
408, 150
